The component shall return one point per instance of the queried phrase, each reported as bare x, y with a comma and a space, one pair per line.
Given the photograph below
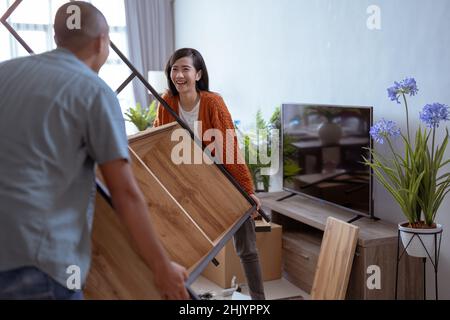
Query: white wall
261, 53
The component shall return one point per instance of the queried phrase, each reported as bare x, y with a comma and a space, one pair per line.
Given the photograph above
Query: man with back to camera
57, 120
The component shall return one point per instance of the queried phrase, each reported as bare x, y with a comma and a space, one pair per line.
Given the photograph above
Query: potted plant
142, 118
249, 141
290, 167
414, 178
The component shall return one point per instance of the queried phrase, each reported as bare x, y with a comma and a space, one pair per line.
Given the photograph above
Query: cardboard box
269, 249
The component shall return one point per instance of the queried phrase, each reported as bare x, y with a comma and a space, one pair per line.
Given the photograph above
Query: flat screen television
323, 148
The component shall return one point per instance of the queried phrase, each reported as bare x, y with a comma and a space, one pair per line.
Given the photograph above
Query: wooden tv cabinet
303, 222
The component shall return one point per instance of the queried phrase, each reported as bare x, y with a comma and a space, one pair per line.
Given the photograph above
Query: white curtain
150, 29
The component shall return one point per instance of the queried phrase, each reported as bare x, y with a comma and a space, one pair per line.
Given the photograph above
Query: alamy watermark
74, 20
73, 281
374, 279
374, 20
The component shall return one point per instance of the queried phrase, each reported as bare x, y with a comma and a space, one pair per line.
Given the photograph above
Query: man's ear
100, 43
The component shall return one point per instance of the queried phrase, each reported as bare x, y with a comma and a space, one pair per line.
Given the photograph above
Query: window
5, 46
33, 21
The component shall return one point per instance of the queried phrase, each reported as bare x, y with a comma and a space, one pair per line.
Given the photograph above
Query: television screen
323, 149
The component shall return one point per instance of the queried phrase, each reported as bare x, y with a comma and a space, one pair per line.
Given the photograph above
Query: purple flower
406, 86
434, 113
384, 129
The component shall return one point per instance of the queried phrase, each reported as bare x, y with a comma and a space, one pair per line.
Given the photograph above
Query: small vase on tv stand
330, 133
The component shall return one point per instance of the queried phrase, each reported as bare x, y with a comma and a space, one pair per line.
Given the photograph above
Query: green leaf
142, 118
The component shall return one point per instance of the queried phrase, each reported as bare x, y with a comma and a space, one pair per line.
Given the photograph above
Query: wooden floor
280, 289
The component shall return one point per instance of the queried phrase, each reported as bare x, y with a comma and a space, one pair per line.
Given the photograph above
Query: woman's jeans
29, 283
245, 245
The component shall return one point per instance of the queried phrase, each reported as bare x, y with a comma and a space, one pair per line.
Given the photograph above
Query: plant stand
434, 262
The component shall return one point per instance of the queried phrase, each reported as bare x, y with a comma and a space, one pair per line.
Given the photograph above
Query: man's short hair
93, 24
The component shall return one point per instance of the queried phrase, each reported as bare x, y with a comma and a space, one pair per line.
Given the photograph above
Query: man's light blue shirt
57, 119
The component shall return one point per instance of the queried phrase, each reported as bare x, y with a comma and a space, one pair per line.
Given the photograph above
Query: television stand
356, 217
303, 221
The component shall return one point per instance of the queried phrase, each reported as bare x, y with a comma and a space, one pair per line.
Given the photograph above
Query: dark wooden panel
300, 256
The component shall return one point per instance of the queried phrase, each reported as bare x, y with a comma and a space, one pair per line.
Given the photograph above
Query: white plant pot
415, 247
330, 133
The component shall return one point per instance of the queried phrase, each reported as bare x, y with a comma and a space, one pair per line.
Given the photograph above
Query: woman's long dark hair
199, 64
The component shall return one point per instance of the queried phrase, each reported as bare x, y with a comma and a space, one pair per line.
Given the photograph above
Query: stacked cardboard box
268, 241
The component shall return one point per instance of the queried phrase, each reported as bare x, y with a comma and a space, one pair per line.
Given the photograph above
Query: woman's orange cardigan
213, 114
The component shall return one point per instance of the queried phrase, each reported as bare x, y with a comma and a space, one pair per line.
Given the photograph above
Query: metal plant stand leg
424, 260
396, 269
434, 262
